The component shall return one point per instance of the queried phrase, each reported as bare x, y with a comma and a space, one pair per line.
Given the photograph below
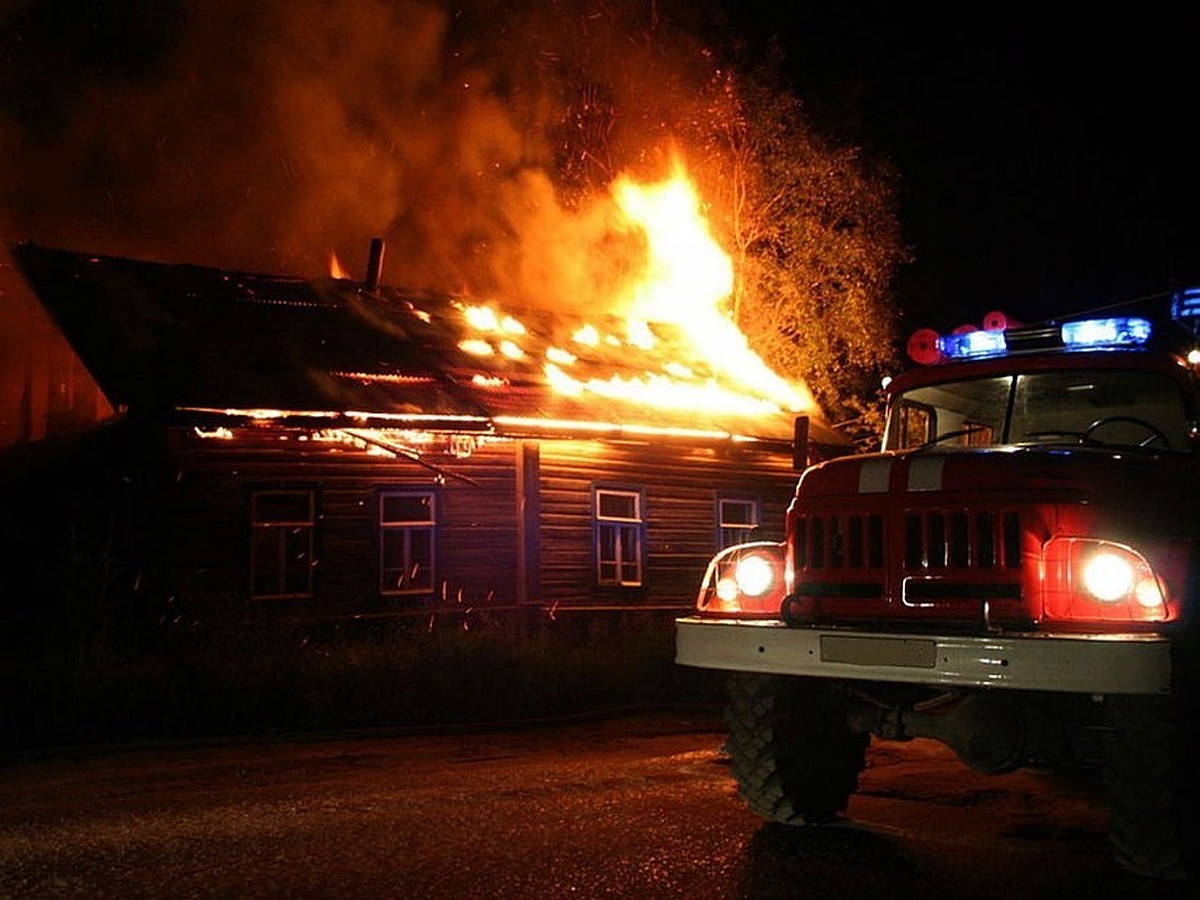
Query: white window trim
430, 525
620, 525
726, 530
280, 527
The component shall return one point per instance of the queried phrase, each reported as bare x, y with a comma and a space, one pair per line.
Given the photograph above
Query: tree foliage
614, 86
816, 239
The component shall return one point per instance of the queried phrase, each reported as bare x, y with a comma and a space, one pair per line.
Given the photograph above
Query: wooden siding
476, 522
681, 485
521, 530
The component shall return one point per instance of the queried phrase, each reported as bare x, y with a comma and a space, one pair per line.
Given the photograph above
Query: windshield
1103, 407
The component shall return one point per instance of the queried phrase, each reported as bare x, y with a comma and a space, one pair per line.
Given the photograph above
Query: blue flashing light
1186, 304
1098, 333
972, 344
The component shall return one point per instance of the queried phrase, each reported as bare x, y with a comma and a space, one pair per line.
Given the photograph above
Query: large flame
684, 281
689, 278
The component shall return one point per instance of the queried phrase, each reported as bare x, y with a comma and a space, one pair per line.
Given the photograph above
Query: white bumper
1090, 664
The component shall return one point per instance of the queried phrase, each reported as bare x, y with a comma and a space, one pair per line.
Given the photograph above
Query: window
1117, 407
407, 524
960, 414
281, 544
617, 518
737, 517
1114, 407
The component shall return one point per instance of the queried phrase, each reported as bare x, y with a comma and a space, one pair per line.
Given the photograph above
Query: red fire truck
1016, 573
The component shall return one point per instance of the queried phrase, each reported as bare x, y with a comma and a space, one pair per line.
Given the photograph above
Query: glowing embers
485, 318
262, 415
504, 330
661, 335
476, 347
1087, 579
220, 433
662, 391
640, 365
408, 443
336, 269
511, 425
491, 382
384, 377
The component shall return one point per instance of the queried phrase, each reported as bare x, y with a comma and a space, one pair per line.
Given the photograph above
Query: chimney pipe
374, 264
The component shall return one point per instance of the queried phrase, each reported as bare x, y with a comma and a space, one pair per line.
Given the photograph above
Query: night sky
1046, 163
1047, 160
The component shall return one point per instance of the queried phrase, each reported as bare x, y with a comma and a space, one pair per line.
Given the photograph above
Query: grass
116, 683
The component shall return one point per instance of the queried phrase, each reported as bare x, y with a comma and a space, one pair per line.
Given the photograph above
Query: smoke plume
475, 137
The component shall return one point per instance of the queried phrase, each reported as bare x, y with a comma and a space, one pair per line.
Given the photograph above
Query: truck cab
1013, 573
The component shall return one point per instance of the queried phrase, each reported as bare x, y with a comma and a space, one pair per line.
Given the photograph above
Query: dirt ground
636, 807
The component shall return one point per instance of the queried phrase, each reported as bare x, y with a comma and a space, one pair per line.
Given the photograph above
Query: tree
602, 88
815, 237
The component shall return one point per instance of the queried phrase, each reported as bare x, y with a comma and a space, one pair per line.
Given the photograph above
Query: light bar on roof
972, 344
1099, 333
1186, 304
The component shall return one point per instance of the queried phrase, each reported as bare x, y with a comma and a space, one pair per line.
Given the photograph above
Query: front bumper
1088, 664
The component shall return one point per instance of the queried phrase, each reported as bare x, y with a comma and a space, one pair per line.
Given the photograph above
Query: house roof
180, 338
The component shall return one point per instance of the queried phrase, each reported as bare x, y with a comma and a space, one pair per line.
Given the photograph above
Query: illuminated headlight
1115, 574
727, 589
1148, 594
1108, 576
1085, 578
755, 575
746, 580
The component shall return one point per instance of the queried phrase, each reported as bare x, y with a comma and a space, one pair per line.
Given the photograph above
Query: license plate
873, 651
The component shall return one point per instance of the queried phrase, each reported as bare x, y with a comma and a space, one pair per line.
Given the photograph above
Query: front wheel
794, 757
1151, 787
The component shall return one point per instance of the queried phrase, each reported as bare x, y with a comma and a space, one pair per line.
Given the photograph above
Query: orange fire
336, 269
685, 284
673, 345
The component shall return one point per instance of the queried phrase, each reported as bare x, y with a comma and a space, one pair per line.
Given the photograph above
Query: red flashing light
923, 347
925, 344
998, 321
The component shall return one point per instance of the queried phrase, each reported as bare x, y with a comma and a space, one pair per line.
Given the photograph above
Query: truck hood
1125, 480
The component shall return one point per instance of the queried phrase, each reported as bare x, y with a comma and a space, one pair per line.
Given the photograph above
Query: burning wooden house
340, 448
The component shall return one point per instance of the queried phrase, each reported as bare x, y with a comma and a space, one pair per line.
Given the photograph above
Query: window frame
407, 527
623, 529
728, 532
284, 550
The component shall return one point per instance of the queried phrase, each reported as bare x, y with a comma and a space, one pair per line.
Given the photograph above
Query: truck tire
1152, 817
794, 757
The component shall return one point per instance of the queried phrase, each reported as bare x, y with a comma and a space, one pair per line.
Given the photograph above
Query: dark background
1047, 159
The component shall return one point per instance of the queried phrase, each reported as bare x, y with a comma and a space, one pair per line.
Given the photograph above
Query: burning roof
206, 342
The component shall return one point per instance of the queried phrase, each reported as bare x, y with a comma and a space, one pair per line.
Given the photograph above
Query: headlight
1108, 576
744, 581
754, 575
1089, 579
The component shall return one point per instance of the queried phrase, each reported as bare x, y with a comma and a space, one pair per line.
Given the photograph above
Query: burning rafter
259, 347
